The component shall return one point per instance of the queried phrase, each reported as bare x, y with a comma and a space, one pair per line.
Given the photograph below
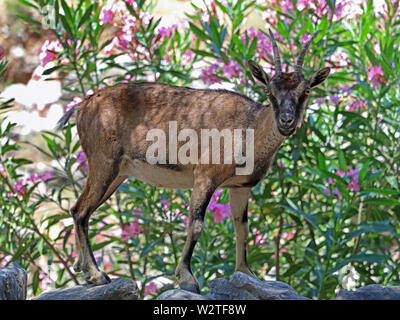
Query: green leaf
199, 33
86, 16
149, 247
28, 19
342, 161
321, 161
360, 257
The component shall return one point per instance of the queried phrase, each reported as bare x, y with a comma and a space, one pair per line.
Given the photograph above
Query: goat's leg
98, 189
114, 185
201, 196
239, 202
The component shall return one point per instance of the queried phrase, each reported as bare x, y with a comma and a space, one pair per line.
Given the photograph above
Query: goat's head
288, 92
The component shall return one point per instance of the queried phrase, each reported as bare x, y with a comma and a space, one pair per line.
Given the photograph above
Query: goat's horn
277, 57
300, 60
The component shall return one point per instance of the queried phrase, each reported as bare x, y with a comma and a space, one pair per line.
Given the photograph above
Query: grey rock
117, 289
371, 292
13, 283
176, 294
243, 287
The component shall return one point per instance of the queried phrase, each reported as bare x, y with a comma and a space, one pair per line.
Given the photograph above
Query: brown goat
114, 126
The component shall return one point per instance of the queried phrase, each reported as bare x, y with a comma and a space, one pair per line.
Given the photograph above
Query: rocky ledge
13, 285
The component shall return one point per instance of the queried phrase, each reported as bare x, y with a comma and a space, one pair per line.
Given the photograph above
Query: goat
113, 126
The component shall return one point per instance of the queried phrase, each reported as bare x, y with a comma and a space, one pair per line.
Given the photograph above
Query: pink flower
207, 75
106, 15
251, 33
354, 175
150, 289
334, 99
376, 76
219, 211
107, 263
356, 105
165, 203
287, 6
337, 193
289, 235
259, 239
75, 101
320, 101
264, 45
33, 178
20, 188
132, 230
231, 69
302, 4
48, 51
304, 37
4, 260
81, 159
111, 47
46, 176
2, 52
164, 32
188, 56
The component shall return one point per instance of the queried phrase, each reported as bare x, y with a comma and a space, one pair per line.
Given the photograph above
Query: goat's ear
258, 72
319, 77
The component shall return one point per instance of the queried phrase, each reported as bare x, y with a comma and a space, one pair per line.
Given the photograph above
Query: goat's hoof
192, 287
97, 279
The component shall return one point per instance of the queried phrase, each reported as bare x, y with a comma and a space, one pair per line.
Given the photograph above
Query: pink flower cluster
127, 25
48, 51
219, 211
188, 56
82, 161
133, 229
231, 69
376, 76
208, 74
264, 45
150, 288
259, 239
352, 174
21, 187
356, 105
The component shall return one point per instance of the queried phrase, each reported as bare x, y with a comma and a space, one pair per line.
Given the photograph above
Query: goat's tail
64, 119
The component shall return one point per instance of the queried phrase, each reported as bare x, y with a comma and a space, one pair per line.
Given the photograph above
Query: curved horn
277, 57
300, 60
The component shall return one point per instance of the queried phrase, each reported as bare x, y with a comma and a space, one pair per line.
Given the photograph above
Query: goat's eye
307, 91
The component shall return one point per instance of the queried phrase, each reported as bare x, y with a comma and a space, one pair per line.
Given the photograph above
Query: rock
118, 289
239, 287
176, 294
371, 292
243, 287
13, 283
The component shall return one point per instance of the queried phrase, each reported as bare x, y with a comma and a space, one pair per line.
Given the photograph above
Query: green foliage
330, 203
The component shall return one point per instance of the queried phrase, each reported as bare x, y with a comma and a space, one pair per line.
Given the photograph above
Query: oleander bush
327, 215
